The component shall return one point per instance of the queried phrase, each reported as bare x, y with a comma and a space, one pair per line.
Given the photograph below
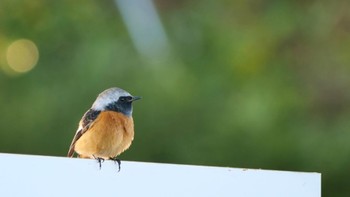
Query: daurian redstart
107, 128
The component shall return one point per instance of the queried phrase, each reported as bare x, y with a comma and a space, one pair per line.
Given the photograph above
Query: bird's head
115, 99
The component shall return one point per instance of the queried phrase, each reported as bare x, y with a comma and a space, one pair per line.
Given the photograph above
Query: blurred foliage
253, 84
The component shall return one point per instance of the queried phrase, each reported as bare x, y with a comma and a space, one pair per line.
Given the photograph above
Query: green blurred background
252, 84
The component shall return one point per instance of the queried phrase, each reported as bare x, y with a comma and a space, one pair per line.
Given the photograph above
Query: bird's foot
116, 160
100, 160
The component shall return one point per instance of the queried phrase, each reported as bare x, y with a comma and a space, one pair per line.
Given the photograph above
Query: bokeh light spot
22, 55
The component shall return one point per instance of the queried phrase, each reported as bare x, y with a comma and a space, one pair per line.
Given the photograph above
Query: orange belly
109, 135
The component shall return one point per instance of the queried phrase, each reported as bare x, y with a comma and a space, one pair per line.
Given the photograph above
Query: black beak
134, 98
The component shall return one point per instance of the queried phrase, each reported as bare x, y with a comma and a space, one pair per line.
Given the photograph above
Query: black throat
122, 107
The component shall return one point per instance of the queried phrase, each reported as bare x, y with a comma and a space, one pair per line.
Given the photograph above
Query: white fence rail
28, 175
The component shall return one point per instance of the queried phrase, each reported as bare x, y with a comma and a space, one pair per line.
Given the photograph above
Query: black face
123, 105
125, 99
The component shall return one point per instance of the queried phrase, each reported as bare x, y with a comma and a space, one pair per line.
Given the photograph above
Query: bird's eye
125, 98
128, 98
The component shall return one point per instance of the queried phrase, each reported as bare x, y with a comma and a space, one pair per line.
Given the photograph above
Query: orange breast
109, 135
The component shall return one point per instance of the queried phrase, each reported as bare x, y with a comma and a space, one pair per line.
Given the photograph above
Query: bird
107, 128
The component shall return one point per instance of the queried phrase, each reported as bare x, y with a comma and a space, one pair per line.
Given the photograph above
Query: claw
116, 160
99, 160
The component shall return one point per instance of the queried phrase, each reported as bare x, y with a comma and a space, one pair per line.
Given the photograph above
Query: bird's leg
116, 160
100, 160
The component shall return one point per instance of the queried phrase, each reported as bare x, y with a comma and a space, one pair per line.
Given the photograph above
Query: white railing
28, 175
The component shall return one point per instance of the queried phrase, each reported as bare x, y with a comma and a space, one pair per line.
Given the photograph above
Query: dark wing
84, 125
